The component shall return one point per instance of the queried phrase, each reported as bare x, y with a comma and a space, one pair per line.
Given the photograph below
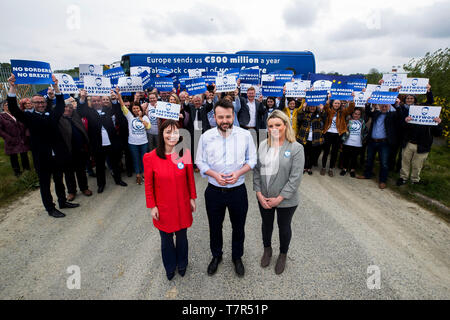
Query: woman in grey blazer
276, 179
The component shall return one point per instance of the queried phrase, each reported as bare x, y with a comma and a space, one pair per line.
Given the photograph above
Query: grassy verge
436, 174
12, 187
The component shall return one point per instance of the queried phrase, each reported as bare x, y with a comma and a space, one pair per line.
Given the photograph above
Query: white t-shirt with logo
354, 138
333, 128
153, 120
137, 134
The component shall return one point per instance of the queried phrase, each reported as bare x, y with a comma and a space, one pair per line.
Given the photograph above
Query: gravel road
341, 227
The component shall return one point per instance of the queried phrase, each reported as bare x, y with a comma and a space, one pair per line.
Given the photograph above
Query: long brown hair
161, 147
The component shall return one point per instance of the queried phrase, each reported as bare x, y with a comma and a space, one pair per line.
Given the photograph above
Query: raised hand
12, 84
55, 84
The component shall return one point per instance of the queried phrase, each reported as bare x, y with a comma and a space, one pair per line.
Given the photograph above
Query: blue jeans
137, 153
383, 153
174, 255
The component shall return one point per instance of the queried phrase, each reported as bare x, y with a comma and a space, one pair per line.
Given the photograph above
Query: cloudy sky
345, 36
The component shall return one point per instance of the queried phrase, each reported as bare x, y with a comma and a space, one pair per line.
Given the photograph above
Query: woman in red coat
170, 193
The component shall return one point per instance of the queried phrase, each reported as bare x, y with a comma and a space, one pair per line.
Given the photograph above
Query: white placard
130, 84
66, 83
297, 88
226, 84
166, 110
414, 86
94, 70
267, 77
424, 115
97, 86
393, 80
361, 98
322, 85
195, 73
376, 87
137, 70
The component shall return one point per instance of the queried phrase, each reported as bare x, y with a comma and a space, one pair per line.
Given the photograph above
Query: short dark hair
161, 147
224, 104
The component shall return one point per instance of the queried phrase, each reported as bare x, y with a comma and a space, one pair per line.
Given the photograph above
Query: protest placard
226, 84
137, 70
316, 97
130, 84
424, 115
322, 85
79, 83
147, 80
376, 87
94, 70
97, 86
285, 75
414, 86
273, 88
114, 74
341, 91
163, 72
195, 73
210, 77
380, 97
31, 72
232, 72
250, 76
361, 98
163, 84
195, 86
393, 80
166, 110
297, 88
66, 83
358, 84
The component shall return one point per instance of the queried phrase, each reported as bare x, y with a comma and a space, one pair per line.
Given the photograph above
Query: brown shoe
197, 170
331, 173
138, 179
281, 263
265, 260
361, 177
87, 192
382, 185
322, 171
71, 196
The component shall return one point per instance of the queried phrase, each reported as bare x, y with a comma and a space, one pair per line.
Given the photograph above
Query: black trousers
45, 173
284, 219
15, 162
350, 155
217, 202
100, 158
311, 154
174, 254
332, 141
77, 168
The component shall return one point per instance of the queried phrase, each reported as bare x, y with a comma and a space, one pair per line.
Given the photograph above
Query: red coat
169, 185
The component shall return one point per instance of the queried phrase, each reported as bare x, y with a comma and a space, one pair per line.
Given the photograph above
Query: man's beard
230, 126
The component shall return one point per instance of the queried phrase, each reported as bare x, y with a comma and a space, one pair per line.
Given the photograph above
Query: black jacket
45, 137
95, 123
203, 116
244, 114
392, 123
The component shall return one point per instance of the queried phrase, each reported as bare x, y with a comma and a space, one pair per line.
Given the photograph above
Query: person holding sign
335, 126
47, 146
170, 194
276, 180
138, 123
103, 137
310, 124
224, 155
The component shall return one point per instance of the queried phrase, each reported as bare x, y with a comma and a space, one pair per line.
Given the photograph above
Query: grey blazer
287, 178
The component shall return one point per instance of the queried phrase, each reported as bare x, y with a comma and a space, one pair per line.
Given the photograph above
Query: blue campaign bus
301, 62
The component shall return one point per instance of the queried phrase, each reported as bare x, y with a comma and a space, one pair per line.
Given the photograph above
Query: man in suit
198, 122
251, 114
103, 137
47, 146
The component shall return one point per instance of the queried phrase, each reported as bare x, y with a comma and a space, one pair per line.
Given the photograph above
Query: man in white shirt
152, 133
225, 153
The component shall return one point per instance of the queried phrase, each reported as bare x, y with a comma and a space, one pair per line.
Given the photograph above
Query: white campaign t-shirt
333, 128
354, 138
137, 134
153, 120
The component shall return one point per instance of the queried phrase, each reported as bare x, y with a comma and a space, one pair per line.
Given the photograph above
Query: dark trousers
174, 255
311, 154
76, 168
332, 141
45, 173
15, 162
217, 202
383, 152
137, 153
350, 156
129, 164
395, 158
284, 219
100, 158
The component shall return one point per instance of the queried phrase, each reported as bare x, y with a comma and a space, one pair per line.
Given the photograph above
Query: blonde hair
289, 133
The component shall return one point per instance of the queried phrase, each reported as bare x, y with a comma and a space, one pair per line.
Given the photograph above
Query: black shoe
352, 174
239, 267
310, 172
343, 172
68, 205
121, 183
400, 182
55, 213
100, 189
212, 268
170, 275
182, 272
